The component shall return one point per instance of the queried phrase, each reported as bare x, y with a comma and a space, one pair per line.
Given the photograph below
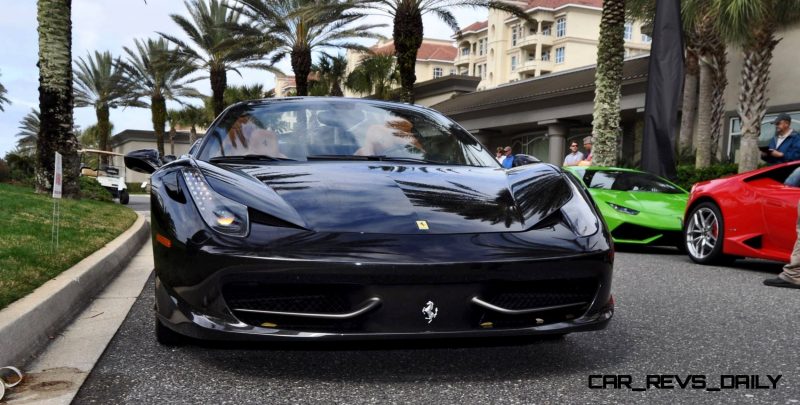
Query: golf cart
110, 175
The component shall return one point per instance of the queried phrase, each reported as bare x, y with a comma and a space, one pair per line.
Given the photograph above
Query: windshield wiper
381, 158
235, 158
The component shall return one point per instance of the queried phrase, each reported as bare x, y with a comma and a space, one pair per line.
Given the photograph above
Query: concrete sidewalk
57, 374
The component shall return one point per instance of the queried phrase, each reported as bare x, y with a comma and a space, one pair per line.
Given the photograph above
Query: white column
557, 134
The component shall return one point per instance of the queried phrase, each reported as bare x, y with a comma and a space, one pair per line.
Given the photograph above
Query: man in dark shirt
785, 146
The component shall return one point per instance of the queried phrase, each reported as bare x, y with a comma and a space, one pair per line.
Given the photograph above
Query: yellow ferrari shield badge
422, 225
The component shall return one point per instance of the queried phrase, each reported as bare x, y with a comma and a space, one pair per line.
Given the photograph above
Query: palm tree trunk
192, 135
608, 80
720, 82
689, 107
703, 135
103, 129
336, 89
407, 37
219, 81
753, 94
55, 97
158, 107
172, 140
301, 66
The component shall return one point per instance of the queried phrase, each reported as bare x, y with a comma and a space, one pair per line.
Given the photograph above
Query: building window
452, 71
514, 36
560, 55
646, 39
479, 71
482, 46
483, 73
437, 72
546, 30
561, 27
513, 63
464, 51
545, 56
628, 31
767, 132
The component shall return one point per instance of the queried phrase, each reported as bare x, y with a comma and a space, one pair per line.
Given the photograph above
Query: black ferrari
340, 219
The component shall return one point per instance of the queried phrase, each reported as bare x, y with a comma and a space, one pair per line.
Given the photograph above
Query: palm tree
408, 28
221, 43
332, 72
28, 132
375, 75
608, 83
752, 25
100, 82
301, 27
193, 117
3, 99
55, 96
235, 94
158, 75
173, 117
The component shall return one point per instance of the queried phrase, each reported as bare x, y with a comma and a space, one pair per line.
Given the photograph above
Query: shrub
92, 190
688, 174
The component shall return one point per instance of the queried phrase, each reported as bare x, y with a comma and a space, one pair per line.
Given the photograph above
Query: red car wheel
704, 234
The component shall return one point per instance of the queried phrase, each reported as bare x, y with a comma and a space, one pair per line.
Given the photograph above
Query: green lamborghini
639, 208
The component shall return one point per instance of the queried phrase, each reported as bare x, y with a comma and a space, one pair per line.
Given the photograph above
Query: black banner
664, 84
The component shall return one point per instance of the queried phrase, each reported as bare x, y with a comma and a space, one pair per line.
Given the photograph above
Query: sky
111, 25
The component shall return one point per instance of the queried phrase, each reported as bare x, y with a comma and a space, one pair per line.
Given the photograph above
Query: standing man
790, 277
587, 144
508, 162
785, 146
575, 156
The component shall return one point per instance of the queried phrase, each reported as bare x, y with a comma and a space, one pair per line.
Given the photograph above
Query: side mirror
522, 159
143, 161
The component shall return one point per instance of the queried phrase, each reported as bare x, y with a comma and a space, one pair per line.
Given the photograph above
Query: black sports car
327, 218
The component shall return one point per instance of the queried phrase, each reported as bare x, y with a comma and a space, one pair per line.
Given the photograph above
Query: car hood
384, 197
646, 202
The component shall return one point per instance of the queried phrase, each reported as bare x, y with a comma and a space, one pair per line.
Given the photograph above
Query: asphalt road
140, 202
673, 317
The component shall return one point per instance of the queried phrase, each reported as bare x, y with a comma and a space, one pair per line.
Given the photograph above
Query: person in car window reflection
391, 138
249, 138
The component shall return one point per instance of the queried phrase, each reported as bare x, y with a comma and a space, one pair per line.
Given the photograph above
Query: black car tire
124, 197
715, 255
167, 336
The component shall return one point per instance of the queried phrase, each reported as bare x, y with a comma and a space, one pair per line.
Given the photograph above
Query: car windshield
325, 129
628, 181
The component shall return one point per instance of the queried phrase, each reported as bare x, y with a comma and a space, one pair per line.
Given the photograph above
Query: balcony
530, 66
530, 41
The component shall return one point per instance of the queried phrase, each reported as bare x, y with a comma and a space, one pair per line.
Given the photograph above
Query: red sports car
751, 214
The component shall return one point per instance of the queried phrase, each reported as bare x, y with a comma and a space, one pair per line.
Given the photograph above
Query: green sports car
639, 208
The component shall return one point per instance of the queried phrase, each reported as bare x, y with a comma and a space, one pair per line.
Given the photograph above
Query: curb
27, 324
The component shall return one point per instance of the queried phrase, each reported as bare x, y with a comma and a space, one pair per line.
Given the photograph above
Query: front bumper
539, 298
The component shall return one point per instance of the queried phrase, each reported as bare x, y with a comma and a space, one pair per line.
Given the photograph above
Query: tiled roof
559, 3
540, 88
428, 51
476, 26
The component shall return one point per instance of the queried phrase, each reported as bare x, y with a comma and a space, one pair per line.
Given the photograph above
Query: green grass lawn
26, 257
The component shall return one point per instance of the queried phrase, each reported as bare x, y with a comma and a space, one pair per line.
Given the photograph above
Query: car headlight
220, 213
624, 210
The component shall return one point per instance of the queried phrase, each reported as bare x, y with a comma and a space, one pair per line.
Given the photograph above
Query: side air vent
259, 217
754, 242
